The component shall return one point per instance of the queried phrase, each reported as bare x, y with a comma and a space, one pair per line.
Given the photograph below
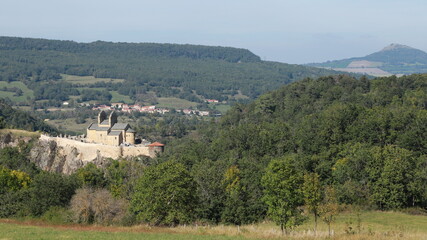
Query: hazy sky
297, 31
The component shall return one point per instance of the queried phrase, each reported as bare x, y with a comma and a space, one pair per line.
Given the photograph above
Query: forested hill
139, 50
12, 118
185, 71
366, 138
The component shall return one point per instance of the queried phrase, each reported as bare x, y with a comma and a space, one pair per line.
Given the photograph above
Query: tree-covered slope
12, 118
185, 71
366, 138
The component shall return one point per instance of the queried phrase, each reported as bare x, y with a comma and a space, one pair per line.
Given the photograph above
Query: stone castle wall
92, 150
67, 154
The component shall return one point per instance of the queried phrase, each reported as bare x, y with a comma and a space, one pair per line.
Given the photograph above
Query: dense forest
186, 71
314, 143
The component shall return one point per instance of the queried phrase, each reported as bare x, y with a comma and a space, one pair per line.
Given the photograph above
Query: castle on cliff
108, 131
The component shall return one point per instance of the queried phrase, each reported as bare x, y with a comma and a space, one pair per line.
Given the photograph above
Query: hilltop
48, 72
393, 59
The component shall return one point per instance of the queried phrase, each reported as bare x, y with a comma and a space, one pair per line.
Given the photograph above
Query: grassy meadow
117, 97
172, 102
26, 92
373, 225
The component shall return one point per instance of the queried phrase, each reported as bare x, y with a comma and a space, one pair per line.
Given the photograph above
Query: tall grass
373, 225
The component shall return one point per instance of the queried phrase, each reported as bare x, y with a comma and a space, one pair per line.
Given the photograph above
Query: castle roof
120, 126
105, 122
114, 133
96, 127
130, 130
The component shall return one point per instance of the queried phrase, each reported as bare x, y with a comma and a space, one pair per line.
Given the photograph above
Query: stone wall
65, 155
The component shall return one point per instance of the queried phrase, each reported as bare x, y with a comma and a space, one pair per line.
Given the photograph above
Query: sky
297, 31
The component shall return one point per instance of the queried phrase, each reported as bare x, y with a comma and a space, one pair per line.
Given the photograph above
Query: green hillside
395, 59
50, 68
366, 138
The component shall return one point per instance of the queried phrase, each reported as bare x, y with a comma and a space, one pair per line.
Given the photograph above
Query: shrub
97, 206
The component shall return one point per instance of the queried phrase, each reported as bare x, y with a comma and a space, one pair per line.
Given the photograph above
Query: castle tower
130, 136
101, 117
112, 119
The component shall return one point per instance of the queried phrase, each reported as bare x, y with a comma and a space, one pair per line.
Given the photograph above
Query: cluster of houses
123, 107
193, 112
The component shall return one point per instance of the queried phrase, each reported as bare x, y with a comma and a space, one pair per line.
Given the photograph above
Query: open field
70, 124
25, 90
374, 225
29, 230
117, 97
175, 103
223, 108
88, 79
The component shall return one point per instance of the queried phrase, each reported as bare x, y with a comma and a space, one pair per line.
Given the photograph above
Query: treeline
184, 71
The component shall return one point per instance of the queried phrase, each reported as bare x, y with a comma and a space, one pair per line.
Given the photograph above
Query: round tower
130, 136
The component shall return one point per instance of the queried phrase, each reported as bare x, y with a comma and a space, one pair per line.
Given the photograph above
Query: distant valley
45, 73
395, 59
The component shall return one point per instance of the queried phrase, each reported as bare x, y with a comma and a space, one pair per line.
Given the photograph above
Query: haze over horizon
286, 31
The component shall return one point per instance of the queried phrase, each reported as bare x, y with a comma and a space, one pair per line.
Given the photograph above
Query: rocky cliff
65, 156
50, 156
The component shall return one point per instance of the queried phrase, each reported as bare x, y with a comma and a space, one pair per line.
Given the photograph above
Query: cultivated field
117, 97
174, 103
26, 92
88, 79
373, 225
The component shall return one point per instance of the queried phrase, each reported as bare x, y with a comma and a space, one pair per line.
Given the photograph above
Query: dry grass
19, 133
375, 225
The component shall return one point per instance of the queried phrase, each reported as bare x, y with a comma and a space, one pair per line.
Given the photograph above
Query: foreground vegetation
372, 225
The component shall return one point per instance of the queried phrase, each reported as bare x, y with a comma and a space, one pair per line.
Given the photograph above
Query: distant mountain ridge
148, 70
393, 59
135, 49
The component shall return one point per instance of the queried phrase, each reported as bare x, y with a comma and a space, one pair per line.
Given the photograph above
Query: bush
97, 206
50, 189
57, 214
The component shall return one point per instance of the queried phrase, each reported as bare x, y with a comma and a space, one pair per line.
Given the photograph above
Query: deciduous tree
282, 193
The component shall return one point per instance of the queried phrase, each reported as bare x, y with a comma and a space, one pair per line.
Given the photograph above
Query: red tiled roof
156, 144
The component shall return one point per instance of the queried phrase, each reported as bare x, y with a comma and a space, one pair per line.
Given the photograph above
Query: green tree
13, 180
165, 195
121, 177
329, 208
2, 123
234, 209
391, 191
312, 190
282, 193
50, 189
90, 176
